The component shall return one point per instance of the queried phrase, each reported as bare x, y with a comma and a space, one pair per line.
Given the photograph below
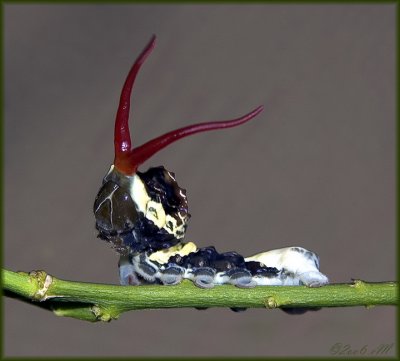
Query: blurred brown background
315, 169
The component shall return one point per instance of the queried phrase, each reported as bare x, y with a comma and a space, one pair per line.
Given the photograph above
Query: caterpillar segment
290, 266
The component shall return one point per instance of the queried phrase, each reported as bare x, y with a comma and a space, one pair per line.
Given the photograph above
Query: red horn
126, 159
122, 138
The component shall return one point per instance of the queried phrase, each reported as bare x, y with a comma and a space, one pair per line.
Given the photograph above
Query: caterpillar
144, 216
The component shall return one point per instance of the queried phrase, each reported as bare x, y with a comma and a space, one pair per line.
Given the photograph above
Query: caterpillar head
145, 212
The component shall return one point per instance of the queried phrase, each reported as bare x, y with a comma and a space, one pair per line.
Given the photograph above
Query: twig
100, 302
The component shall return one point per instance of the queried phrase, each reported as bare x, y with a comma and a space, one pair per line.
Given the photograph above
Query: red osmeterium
140, 154
122, 138
126, 159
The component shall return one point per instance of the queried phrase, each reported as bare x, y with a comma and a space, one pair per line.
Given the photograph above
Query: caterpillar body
144, 217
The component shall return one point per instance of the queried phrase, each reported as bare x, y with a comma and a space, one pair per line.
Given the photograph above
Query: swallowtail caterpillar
144, 216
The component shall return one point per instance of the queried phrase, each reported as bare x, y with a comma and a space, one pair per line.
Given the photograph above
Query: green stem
94, 302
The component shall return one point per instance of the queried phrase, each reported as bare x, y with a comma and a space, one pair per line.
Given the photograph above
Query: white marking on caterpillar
297, 265
182, 249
